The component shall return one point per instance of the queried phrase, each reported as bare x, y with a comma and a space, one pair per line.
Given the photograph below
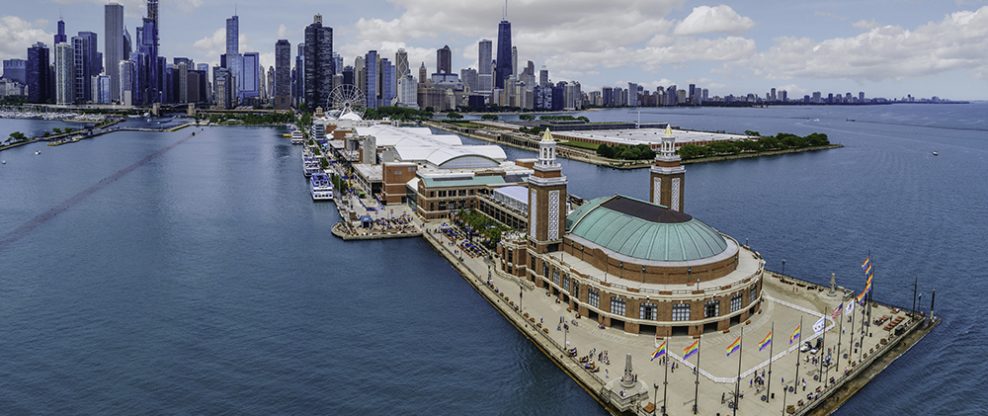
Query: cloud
572, 38
282, 31
717, 19
865, 24
16, 35
956, 42
211, 47
139, 7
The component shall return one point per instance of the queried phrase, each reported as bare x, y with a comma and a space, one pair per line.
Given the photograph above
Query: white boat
310, 165
320, 187
936, 153
297, 137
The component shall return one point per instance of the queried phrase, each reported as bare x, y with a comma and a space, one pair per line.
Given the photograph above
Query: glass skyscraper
503, 69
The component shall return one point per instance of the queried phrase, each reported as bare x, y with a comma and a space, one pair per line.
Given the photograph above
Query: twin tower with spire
547, 195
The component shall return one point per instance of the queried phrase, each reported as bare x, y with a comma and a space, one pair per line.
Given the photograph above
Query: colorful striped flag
765, 342
867, 262
867, 270
795, 334
691, 349
736, 345
837, 311
660, 351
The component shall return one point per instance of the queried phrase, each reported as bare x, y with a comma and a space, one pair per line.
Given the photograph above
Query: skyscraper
423, 74
249, 84
60, 35
233, 35
298, 76
15, 69
40, 85
444, 60
401, 63
504, 64
370, 88
485, 71
543, 76
126, 72
156, 78
282, 74
86, 65
388, 83
319, 63
514, 60
64, 74
113, 45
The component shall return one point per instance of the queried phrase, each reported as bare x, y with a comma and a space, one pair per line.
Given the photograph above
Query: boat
37, 152
936, 153
297, 137
310, 165
320, 187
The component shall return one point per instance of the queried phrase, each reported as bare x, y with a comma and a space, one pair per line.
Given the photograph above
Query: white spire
667, 151
547, 150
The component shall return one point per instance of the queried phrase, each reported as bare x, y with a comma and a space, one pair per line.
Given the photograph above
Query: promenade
539, 315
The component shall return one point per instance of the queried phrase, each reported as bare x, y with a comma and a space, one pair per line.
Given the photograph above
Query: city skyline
734, 49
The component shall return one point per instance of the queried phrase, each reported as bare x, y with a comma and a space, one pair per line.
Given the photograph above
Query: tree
18, 136
452, 115
526, 117
489, 117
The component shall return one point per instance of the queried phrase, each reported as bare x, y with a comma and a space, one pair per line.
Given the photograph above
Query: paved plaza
785, 303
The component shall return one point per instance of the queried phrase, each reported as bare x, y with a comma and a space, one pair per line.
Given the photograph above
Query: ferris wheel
347, 99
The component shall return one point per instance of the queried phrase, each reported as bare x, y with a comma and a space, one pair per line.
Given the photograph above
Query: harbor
267, 285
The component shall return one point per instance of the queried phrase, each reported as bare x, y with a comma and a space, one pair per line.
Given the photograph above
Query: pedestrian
721, 397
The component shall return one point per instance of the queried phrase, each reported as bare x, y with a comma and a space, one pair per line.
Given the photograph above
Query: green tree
489, 117
452, 115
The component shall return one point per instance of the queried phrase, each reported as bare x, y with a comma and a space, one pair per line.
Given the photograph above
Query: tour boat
936, 153
310, 165
320, 187
297, 137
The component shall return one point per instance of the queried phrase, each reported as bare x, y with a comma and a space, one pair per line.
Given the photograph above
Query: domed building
642, 266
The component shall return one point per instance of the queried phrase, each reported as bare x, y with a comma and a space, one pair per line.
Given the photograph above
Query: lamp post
783, 267
655, 394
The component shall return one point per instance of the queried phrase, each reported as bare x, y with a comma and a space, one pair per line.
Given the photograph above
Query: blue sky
883, 47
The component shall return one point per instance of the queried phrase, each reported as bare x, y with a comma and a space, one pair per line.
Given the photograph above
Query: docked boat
297, 137
310, 165
320, 187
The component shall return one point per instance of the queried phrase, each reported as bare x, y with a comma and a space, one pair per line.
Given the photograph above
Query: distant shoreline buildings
129, 72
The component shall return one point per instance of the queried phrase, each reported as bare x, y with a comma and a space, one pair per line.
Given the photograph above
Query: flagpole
696, 390
799, 351
665, 382
737, 382
771, 349
823, 348
840, 337
864, 323
850, 352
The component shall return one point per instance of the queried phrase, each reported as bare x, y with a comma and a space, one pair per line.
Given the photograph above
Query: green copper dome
645, 231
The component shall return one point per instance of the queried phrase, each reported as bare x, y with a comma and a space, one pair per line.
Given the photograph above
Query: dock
537, 314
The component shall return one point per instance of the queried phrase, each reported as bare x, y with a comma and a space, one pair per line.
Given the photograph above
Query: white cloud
211, 47
16, 35
574, 39
865, 24
717, 19
282, 31
957, 42
139, 7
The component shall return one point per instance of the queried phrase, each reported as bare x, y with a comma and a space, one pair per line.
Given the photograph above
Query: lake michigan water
162, 274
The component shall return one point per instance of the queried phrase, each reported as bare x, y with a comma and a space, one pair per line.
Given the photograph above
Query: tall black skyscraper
282, 74
60, 37
86, 64
503, 69
444, 60
40, 83
319, 64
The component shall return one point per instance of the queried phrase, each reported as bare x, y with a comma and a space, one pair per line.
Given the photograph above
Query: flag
820, 325
849, 308
837, 311
864, 292
691, 349
736, 345
870, 277
867, 270
660, 351
795, 334
765, 342
867, 262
